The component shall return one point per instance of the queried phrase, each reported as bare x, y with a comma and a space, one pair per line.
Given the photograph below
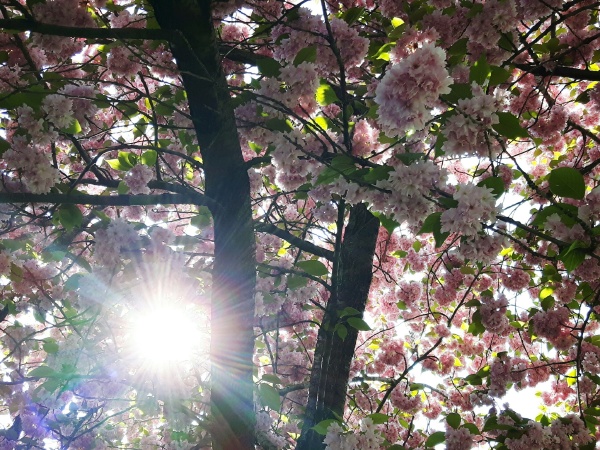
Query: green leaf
584, 97
453, 420
42, 372
50, 346
377, 173
271, 378
149, 158
379, 418
313, 267
474, 380
409, 158
351, 15
340, 165
281, 125
476, 327
341, 331
472, 428
358, 323
122, 188
4, 145
458, 91
480, 70
495, 184
73, 282
433, 224
322, 426
325, 95
573, 256
566, 212
116, 165
73, 128
269, 396
386, 222
567, 182
448, 202
69, 216
3, 57
459, 47
349, 311
498, 75
33, 97
268, 67
436, 438
509, 126
296, 282
322, 122
202, 219
127, 159
307, 54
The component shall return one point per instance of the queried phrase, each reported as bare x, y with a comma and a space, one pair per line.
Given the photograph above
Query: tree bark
195, 49
333, 355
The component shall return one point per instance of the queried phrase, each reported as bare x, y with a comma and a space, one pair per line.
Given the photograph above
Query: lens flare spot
165, 335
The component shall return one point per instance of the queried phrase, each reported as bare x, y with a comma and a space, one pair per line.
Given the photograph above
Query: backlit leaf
509, 126
567, 182
358, 323
313, 267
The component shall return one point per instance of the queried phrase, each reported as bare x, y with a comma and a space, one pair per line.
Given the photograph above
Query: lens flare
165, 335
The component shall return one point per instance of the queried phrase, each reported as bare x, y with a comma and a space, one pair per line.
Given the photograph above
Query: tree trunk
226, 182
333, 355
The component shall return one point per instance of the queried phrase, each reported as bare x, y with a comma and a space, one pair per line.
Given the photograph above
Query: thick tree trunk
333, 355
226, 182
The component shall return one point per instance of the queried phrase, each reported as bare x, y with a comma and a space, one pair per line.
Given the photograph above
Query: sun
166, 335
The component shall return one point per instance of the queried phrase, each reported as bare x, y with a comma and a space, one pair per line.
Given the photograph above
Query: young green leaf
509, 126
453, 420
269, 396
325, 95
322, 426
436, 438
149, 158
42, 372
268, 67
358, 323
69, 216
313, 267
379, 418
567, 182
341, 331
495, 184
308, 54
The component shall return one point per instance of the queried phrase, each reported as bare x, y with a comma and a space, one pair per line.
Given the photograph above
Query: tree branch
295, 241
105, 200
84, 33
560, 71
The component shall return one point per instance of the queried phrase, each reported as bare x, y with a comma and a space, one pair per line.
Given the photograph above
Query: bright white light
166, 335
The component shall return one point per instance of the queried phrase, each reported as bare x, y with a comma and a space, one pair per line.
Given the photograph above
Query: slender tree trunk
226, 182
333, 355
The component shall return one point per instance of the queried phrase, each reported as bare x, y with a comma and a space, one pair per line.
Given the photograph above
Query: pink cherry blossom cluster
493, 314
565, 433
466, 131
36, 173
410, 89
114, 242
368, 438
409, 184
476, 204
309, 30
458, 439
137, 179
